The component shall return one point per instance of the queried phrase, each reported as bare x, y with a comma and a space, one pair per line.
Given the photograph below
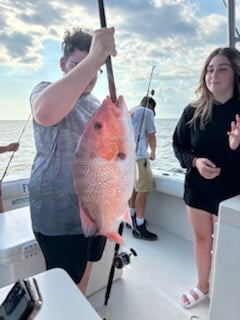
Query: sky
162, 46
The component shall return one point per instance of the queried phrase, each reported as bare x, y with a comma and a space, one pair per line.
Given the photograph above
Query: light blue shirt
143, 125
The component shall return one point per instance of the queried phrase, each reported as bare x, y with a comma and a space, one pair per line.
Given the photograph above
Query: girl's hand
207, 168
234, 134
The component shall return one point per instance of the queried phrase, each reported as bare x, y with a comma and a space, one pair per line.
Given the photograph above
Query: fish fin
88, 226
127, 217
113, 236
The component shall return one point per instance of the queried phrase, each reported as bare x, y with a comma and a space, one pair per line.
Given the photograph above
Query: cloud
173, 35
148, 22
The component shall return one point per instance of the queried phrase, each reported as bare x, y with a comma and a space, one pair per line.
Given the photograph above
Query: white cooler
21, 256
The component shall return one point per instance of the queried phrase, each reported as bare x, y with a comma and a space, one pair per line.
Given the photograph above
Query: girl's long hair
205, 100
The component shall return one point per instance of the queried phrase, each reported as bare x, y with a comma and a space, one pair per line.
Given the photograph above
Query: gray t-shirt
143, 124
53, 200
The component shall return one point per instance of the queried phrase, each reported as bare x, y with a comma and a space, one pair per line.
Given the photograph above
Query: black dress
211, 143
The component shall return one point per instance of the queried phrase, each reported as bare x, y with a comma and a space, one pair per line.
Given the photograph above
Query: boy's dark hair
146, 101
77, 39
149, 102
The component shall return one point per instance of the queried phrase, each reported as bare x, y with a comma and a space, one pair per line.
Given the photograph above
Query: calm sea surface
22, 160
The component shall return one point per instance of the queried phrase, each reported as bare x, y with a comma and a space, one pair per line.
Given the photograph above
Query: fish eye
97, 125
121, 155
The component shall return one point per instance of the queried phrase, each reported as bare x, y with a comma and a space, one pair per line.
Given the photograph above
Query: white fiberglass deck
152, 284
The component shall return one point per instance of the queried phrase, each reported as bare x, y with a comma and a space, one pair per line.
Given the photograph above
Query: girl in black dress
206, 143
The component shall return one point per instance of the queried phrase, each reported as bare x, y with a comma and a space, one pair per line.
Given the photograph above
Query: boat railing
233, 34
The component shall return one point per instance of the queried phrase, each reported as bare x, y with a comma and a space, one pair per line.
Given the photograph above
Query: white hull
151, 285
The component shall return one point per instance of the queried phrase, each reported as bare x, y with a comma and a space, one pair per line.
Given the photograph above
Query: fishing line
12, 155
144, 112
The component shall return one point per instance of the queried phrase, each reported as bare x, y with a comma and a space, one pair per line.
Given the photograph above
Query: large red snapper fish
104, 170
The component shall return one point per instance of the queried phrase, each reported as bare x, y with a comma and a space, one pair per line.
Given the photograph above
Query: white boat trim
165, 268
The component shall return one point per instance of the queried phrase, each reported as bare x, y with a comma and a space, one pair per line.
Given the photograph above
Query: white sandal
192, 300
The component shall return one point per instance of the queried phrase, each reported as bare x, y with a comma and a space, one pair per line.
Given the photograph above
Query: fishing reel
123, 259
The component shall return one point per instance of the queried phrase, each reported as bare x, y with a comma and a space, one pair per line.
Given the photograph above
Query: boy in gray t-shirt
61, 111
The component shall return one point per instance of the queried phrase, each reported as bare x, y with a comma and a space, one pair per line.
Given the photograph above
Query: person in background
10, 147
142, 117
202, 138
61, 111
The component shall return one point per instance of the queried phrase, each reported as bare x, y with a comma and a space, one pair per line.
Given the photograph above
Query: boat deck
152, 284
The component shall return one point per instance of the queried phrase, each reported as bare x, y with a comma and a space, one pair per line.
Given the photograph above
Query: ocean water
21, 161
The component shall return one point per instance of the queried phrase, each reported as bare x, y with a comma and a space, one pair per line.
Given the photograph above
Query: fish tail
127, 217
113, 236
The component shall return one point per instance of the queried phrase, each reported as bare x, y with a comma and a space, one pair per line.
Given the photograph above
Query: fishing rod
12, 155
112, 91
144, 112
111, 82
